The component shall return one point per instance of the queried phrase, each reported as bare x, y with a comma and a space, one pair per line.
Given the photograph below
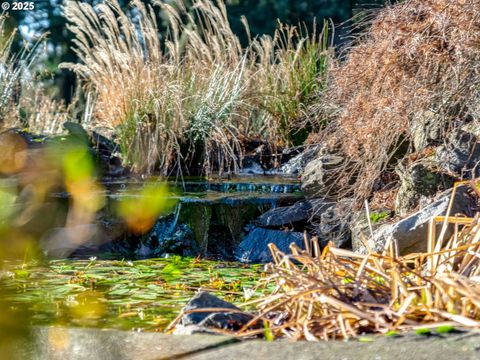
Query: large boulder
410, 235
426, 129
254, 247
295, 165
333, 224
419, 182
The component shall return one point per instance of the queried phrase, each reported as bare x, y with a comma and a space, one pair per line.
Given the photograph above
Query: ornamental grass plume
191, 98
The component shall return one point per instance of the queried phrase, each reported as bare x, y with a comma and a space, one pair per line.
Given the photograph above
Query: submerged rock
411, 234
168, 237
201, 321
254, 247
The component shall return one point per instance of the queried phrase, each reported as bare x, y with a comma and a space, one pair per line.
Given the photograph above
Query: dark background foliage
262, 16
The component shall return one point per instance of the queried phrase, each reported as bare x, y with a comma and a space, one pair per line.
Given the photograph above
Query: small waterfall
211, 217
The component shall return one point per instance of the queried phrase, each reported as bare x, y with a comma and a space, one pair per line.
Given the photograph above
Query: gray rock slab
411, 233
92, 344
440, 347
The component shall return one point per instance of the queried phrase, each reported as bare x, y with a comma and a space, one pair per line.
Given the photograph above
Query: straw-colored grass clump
23, 102
339, 294
192, 97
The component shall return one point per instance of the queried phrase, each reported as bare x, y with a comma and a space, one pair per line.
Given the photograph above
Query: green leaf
392, 333
121, 291
366, 339
445, 329
267, 331
423, 331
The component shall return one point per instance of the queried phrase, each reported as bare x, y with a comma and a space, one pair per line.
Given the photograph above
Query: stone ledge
92, 344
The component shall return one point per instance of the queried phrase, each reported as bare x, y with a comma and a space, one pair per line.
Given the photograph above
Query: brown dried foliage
418, 57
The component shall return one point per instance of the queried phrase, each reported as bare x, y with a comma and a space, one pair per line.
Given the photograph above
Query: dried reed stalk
340, 294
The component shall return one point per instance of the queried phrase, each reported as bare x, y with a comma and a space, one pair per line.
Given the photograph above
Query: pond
110, 275
142, 295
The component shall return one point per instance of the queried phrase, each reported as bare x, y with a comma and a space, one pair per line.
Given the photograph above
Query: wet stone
254, 247
202, 321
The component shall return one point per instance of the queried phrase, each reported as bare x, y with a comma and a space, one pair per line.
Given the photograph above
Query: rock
426, 129
251, 167
461, 155
411, 234
169, 237
320, 176
295, 165
333, 224
359, 225
212, 319
254, 247
418, 183
109, 154
102, 142
288, 215
226, 321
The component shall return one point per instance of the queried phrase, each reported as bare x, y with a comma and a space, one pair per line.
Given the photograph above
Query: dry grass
23, 103
338, 294
192, 97
414, 71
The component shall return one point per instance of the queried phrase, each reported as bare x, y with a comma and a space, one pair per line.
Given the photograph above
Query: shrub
414, 70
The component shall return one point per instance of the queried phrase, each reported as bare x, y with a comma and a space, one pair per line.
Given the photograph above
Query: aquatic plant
120, 294
191, 99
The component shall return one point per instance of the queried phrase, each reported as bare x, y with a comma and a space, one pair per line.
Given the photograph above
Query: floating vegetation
141, 295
